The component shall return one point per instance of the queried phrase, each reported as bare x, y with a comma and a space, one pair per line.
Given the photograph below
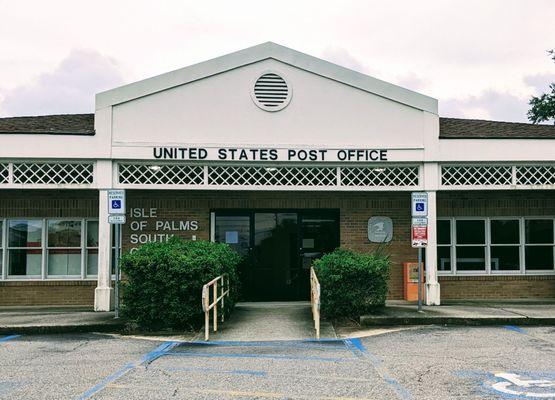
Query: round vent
271, 92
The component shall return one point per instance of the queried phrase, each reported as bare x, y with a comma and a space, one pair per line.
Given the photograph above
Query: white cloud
491, 104
69, 88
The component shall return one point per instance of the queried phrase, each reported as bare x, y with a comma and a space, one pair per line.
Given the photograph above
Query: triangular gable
258, 53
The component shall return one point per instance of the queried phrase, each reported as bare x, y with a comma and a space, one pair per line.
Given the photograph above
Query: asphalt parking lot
415, 363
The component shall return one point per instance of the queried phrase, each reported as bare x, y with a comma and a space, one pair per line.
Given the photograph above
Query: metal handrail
216, 298
315, 300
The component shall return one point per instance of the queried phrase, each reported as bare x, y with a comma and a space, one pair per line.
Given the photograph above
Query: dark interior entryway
278, 247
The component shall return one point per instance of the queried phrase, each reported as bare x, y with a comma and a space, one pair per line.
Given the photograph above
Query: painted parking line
264, 356
358, 349
158, 352
516, 329
8, 338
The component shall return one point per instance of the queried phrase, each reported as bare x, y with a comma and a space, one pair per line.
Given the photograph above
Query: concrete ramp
271, 321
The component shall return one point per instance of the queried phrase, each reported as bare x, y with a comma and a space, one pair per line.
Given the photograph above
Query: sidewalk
254, 321
38, 320
464, 313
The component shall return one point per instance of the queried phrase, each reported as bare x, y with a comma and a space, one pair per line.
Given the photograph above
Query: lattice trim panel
166, 174
535, 175
53, 173
272, 176
268, 176
469, 175
380, 176
4, 173
497, 175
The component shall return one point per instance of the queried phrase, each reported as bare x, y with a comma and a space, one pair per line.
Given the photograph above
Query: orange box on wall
410, 281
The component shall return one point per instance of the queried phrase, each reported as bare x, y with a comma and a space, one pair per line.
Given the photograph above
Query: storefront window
505, 244
539, 244
92, 248
25, 247
470, 245
1, 248
444, 245
496, 245
48, 248
64, 247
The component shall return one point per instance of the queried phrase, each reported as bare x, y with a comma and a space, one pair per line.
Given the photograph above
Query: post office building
284, 157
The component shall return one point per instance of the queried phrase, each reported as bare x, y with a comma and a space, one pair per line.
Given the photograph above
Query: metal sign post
419, 232
116, 216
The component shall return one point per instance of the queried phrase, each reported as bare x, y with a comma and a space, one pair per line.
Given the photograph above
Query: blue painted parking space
258, 369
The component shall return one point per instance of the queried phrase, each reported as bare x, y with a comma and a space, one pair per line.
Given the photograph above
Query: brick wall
47, 293
355, 209
496, 204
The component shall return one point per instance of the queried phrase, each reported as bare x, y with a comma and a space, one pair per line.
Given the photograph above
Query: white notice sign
116, 201
419, 204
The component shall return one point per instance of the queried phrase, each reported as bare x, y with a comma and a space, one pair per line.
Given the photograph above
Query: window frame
80, 247
7, 248
455, 244
44, 248
488, 245
523, 232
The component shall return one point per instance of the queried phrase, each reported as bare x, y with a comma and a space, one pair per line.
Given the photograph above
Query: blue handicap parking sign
116, 204
419, 206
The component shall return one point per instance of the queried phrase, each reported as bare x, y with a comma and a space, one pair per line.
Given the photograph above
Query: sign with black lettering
269, 154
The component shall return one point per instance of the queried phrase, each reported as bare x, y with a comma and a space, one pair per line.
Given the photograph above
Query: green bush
351, 283
163, 281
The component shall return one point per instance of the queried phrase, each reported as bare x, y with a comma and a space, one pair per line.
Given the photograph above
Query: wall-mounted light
155, 167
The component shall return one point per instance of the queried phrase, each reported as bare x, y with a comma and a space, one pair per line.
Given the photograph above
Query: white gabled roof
268, 50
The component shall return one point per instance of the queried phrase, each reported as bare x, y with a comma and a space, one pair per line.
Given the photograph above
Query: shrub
351, 283
163, 281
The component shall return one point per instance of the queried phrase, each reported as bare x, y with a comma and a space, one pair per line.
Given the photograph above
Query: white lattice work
380, 176
53, 173
4, 173
165, 174
272, 176
535, 175
476, 175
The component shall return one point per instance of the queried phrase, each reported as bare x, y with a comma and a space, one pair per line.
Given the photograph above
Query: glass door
319, 235
278, 248
275, 268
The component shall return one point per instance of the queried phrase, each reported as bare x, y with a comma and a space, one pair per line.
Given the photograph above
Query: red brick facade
355, 209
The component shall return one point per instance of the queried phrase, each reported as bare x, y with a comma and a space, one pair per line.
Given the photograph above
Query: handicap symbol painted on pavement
524, 386
116, 204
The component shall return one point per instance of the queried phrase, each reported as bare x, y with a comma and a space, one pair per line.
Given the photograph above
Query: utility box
410, 281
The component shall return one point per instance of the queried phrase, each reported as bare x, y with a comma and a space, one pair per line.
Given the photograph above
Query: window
92, 247
1, 249
444, 245
48, 248
516, 245
539, 247
470, 239
64, 247
505, 244
25, 248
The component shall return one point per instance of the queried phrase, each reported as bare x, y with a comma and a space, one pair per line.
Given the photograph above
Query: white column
432, 285
103, 294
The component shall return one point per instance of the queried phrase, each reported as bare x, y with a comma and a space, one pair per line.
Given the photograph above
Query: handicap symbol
116, 204
419, 206
515, 384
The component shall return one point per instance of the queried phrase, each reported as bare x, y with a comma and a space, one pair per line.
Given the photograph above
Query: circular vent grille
271, 92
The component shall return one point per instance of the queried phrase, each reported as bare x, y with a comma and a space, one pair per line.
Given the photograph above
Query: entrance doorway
278, 247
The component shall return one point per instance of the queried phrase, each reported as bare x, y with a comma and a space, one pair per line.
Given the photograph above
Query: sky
481, 59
